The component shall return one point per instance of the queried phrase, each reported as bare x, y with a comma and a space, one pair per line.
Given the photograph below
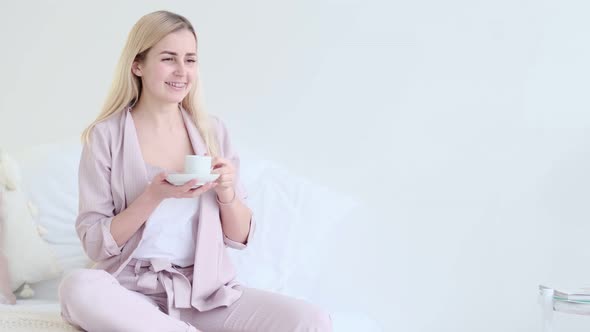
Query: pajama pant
94, 300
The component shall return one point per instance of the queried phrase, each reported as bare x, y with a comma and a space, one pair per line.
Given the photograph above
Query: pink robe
112, 175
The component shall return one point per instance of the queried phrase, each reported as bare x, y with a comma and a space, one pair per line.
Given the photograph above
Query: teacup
196, 164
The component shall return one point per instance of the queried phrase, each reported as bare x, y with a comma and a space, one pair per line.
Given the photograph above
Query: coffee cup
196, 164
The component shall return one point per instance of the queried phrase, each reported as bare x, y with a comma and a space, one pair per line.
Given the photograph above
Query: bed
283, 257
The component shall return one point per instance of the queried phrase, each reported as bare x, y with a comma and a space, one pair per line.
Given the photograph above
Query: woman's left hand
227, 175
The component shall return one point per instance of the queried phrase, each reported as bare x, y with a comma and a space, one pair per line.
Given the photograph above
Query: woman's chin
173, 99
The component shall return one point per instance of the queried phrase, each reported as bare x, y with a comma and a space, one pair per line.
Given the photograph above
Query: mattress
43, 315
32, 316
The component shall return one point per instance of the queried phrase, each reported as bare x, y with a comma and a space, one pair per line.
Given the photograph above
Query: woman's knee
307, 317
319, 320
80, 284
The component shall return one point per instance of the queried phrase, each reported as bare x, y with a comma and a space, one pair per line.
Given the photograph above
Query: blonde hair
126, 87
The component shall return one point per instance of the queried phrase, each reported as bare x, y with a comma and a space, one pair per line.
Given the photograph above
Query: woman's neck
159, 116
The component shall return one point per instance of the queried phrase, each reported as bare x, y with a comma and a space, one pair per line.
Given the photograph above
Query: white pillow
293, 218
50, 173
30, 258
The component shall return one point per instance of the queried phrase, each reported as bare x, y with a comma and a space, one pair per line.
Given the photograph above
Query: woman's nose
180, 70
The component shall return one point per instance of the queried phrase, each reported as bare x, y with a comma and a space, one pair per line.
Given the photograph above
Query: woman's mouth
177, 85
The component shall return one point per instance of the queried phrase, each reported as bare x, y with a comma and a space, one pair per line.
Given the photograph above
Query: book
581, 294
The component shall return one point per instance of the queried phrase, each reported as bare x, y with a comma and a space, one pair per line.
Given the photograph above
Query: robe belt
177, 286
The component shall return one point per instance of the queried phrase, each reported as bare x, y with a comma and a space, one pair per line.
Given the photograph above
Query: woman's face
169, 68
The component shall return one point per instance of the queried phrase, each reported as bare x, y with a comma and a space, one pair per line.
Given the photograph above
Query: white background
463, 124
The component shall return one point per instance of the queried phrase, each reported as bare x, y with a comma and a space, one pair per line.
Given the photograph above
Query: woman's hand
161, 189
225, 181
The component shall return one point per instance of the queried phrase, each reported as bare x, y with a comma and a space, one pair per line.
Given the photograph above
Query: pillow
294, 216
29, 258
50, 178
6, 296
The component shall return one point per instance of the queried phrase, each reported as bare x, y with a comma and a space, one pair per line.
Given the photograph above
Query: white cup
195, 164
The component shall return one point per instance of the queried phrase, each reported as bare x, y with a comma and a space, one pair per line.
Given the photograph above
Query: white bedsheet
43, 315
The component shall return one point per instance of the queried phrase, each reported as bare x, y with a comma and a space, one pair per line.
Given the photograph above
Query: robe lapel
135, 174
134, 180
209, 237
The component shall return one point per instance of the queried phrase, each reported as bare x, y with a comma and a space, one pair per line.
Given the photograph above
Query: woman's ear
135, 69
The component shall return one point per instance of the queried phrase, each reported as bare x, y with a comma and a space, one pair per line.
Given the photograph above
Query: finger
221, 170
227, 184
225, 177
219, 162
161, 176
209, 186
225, 169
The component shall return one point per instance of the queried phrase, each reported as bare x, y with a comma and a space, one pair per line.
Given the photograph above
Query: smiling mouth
177, 85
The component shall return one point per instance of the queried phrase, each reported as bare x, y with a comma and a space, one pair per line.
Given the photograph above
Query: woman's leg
95, 301
261, 311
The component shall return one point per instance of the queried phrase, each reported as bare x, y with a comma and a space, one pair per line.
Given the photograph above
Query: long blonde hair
126, 87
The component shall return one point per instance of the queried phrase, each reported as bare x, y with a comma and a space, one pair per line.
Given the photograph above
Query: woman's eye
191, 60
167, 59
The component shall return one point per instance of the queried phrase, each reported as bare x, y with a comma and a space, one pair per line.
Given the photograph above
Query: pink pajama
124, 295
137, 300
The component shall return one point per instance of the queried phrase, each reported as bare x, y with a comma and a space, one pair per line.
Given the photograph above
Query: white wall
464, 124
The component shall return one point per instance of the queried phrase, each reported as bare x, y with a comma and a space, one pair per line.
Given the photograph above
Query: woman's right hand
161, 189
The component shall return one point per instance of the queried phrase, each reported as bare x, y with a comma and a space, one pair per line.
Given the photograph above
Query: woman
160, 250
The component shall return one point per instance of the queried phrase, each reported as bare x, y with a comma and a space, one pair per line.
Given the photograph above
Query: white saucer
178, 179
